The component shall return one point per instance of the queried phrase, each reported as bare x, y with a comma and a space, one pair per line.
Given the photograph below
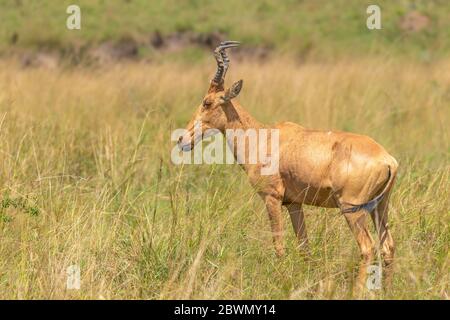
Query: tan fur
320, 168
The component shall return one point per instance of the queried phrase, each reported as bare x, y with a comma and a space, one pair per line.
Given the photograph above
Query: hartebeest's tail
372, 204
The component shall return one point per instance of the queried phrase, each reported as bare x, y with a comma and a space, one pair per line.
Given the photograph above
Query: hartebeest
331, 169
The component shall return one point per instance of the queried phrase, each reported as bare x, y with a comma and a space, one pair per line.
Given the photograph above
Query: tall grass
86, 179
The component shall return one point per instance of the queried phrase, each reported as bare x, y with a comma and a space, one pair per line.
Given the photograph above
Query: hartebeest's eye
207, 103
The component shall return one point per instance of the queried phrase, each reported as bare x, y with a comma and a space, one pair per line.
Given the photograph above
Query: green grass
324, 28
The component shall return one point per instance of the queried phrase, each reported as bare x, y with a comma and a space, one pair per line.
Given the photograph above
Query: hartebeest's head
212, 112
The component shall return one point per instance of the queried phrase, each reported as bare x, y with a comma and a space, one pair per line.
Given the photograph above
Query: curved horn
222, 59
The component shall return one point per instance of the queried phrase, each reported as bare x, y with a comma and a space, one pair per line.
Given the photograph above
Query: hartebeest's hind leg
387, 246
299, 225
357, 222
273, 206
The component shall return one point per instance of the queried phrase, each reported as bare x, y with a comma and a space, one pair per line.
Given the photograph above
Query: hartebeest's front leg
273, 206
299, 225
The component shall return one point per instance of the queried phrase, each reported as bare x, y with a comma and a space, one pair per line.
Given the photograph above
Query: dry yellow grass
86, 179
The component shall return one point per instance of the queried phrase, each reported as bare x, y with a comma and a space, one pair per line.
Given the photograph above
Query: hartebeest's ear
233, 91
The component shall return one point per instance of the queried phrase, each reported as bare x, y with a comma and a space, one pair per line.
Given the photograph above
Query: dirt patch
123, 49
49, 60
414, 21
128, 48
179, 40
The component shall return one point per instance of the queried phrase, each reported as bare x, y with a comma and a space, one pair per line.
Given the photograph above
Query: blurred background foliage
305, 28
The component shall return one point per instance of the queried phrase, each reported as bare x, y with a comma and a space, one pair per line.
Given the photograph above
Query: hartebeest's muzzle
185, 142
188, 141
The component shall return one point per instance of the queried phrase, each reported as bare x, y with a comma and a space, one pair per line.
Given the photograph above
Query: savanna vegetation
322, 28
86, 177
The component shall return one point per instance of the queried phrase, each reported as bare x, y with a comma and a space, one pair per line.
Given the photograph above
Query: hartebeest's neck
239, 118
